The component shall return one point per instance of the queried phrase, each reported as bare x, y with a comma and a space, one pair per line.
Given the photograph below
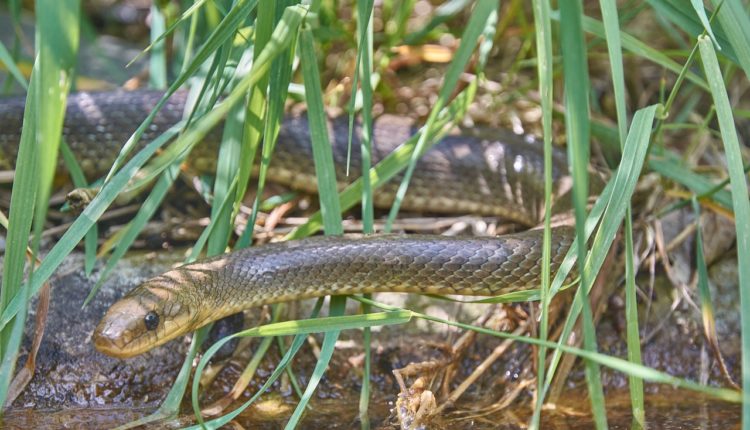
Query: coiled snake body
490, 173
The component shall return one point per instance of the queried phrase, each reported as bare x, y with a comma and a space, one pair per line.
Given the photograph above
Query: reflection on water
670, 410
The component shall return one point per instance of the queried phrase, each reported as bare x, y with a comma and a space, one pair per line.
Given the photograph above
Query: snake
488, 172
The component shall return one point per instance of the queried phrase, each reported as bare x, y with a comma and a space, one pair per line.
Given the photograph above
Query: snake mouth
140, 322
109, 341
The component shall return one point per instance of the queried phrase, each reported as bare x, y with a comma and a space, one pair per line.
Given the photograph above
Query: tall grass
246, 52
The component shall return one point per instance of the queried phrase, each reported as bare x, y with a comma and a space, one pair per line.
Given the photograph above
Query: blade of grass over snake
57, 34
362, 73
739, 198
224, 206
576, 80
482, 18
616, 199
363, 70
226, 169
157, 67
230, 150
543, 37
136, 225
283, 35
79, 181
83, 223
611, 20
390, 165
224, 30
280, 39
280, 76
190, 36
146, 211
255, 112
321, 145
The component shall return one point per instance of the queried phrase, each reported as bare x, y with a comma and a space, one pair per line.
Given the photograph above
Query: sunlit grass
249, 55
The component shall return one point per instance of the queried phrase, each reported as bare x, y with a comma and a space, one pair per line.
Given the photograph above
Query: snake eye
151, 320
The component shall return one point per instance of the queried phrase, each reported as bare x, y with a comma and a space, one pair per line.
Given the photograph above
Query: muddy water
671, 410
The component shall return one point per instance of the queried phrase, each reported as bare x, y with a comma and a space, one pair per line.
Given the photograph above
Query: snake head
151, 314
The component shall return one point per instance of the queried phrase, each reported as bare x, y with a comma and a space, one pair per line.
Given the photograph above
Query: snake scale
492, 172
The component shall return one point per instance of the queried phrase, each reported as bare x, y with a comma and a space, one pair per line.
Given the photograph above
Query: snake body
188, 297
491, 173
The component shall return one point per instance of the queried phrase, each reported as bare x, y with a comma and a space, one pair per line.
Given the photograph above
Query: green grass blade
700, 11
632, 44
85, 221
57, 47
228, 163
481, 21
280, 76
543, 36
337, 308
672, 167
610, 20
255, 112
157, 70
79, 181
224, 31
576, 79
22, 200
364, 71
7, 60
299, 329
321, 145
616, 195
739, 198
136, 225
684, 18
735, 20
159, 38
321, 325
392, 164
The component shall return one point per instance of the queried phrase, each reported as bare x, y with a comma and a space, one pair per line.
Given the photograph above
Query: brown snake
492, 173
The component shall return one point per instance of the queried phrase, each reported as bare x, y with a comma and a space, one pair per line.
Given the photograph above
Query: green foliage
243, 60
